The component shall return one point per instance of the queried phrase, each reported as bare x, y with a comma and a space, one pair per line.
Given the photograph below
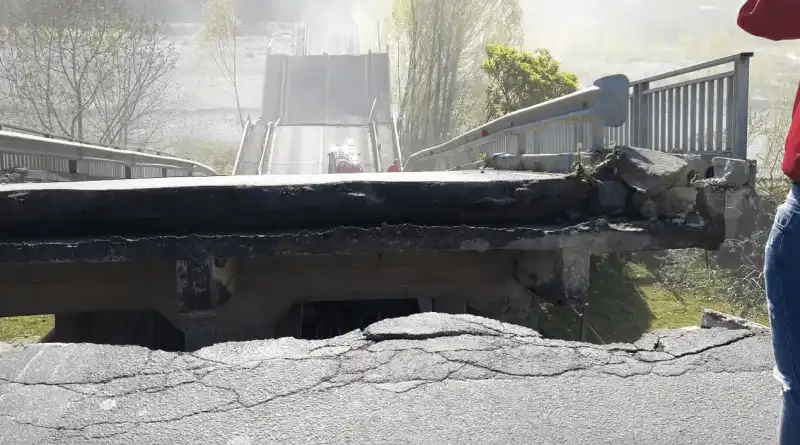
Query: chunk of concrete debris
677, 200
646, 205
611, 197
432, 324
714, 319
735, 172
651, 172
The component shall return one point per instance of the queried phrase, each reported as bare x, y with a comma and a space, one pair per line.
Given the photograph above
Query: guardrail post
522, 142
640, 116
741, 92
596, 135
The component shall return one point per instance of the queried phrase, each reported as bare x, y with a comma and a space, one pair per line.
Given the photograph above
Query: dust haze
591, 38
640, 38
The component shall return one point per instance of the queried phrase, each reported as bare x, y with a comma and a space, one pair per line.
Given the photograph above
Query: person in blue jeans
780, 20
782, 279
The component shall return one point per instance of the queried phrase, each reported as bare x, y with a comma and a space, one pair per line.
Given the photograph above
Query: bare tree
442, 45
219, 33
87, 69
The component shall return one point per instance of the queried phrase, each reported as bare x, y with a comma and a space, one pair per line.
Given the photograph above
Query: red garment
778, 20
393, 168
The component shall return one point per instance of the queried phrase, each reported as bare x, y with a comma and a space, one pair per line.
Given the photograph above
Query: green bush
518, 79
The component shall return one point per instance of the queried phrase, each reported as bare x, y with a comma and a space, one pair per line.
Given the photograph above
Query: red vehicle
395, 167
345, 158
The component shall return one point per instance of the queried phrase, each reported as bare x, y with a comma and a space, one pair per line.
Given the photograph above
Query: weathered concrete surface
715, 319
242, 203
651, 172
264, 204
593, 237
477, 380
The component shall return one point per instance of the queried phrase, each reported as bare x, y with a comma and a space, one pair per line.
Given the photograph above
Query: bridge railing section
266, 148
577, 121
702, 108
252, 147
35, 150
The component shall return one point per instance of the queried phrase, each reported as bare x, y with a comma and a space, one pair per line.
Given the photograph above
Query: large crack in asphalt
103, 391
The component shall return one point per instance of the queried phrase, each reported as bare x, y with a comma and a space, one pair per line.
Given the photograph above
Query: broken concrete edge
592, 237
624, 181
714, 319
726, 171
668, 343
660, 184
252, 204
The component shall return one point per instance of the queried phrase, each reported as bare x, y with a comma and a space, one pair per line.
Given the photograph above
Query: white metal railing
250, 155
706, 113
561, 125
42, 151
264, 164
373, 146
698, 109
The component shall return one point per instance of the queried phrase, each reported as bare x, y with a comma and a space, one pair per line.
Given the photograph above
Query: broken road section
468, 379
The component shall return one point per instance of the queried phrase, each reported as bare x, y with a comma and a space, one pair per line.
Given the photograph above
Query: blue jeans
782, 280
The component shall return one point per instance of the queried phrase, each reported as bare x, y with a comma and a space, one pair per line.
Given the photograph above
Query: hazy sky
645, 37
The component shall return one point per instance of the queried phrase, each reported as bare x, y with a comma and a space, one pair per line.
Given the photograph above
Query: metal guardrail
396, 149
18, 129
43, 151
706, 114
373, 146
253, 155
577, 120
265, 163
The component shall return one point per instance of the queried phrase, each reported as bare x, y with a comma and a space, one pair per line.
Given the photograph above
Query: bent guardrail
566, 124
88, 161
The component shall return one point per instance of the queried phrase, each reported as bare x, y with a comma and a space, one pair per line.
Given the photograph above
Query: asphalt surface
304, 150
424, 379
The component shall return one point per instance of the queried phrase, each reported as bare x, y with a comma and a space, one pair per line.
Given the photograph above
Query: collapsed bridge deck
228, 258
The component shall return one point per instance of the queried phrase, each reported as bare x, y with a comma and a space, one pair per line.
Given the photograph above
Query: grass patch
625, 301
20, 327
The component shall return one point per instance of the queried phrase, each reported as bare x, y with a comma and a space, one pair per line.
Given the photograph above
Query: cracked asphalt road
426, 379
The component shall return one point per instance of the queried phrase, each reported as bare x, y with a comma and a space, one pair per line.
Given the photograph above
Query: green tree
439, 44
91, 69
219, 33
518, 79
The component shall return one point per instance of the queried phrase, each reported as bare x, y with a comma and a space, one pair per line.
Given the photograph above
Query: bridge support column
576, 278
203, 283
216, 303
